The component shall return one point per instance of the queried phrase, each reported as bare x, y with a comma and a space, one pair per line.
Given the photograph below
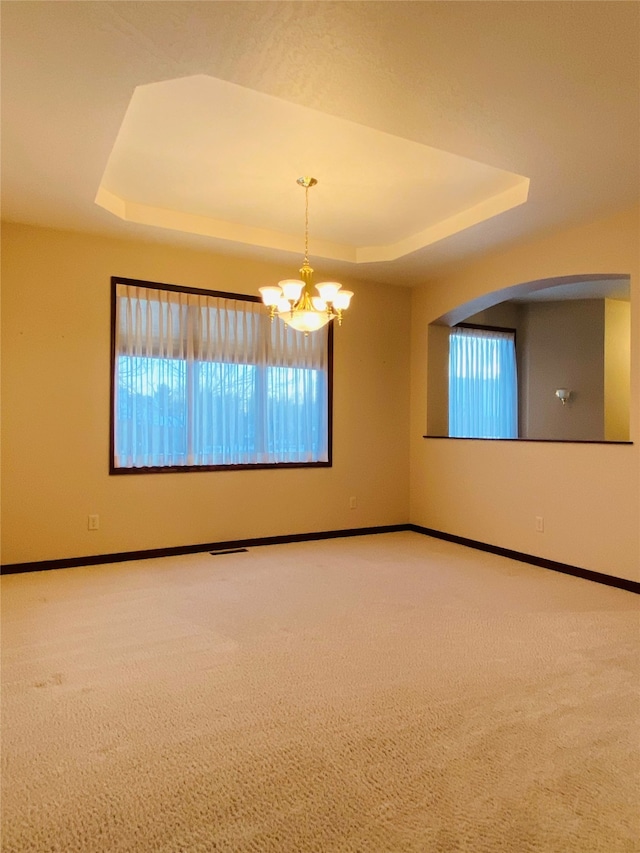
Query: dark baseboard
542, 562
235, 545
232, 544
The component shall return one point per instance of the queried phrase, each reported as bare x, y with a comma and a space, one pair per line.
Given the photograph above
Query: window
483, 386
204, 380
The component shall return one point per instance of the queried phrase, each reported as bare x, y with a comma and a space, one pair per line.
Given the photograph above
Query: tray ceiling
205, 156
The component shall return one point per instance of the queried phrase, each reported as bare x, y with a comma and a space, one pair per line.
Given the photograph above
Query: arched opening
572, 351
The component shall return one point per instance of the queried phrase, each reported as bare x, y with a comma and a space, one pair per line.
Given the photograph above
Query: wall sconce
563, 395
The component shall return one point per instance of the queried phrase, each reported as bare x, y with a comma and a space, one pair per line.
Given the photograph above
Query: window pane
483, 391
151, 414
225, 413
296, 412
206, 379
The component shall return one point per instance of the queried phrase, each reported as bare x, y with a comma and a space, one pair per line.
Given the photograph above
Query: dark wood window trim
189, 469
482, 328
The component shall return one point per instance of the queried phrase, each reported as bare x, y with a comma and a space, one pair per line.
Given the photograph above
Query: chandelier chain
306, 225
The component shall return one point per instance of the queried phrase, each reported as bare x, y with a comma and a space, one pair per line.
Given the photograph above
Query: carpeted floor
379, 694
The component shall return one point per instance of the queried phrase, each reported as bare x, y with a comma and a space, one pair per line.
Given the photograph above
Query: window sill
190, 469
535, 440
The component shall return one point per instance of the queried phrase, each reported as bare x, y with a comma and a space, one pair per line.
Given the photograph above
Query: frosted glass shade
342, 299
328, 290
305, 321
291, 289
318, 303
271, 295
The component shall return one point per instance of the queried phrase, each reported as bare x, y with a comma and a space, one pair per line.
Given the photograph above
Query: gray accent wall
563, 348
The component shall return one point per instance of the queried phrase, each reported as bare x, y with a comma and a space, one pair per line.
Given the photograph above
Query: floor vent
232, 551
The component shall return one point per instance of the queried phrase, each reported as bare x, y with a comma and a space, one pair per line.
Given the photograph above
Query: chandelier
291, 299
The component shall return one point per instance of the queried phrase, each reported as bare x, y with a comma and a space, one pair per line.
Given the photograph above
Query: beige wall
617, 387
564, 349
588, 494
55, 411
55, 407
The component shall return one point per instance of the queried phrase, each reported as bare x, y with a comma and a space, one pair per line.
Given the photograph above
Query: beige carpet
381, 693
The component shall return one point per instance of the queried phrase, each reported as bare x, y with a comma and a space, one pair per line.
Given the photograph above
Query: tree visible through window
204, 380
483, 384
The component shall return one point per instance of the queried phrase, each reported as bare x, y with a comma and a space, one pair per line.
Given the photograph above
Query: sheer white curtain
483, 384
208, 380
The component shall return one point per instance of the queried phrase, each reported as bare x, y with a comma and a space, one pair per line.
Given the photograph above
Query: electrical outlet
353, 503
539, 524
93, 522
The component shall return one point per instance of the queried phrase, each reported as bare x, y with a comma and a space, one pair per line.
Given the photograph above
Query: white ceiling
546, 90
